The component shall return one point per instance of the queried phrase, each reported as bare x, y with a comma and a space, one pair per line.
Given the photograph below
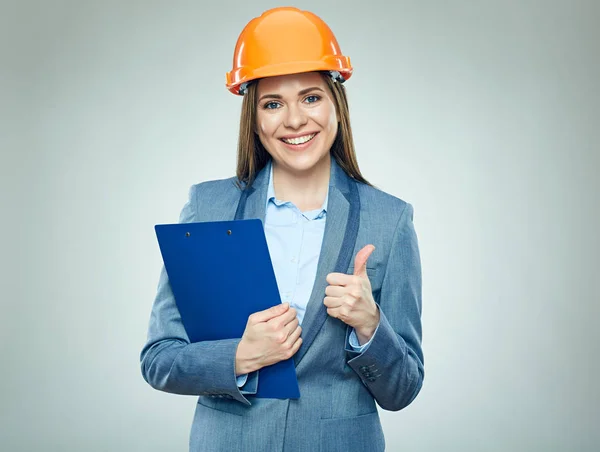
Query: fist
270, 336
349, 298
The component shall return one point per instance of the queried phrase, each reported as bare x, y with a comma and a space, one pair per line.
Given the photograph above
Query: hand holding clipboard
270, 336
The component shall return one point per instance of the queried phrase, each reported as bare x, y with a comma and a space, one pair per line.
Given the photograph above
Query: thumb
360, 261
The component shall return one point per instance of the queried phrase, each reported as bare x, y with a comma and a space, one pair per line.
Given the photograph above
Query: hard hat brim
242, 75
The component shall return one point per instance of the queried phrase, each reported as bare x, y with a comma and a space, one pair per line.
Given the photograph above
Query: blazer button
371, 379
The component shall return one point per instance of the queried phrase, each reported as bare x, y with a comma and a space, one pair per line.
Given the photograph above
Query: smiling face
296, 121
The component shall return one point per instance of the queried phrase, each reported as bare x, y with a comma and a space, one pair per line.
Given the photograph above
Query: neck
306, 190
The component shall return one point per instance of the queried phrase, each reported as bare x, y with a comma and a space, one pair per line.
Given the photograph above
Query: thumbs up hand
350, 298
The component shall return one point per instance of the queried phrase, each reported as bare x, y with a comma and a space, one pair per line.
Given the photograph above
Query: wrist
365, 332
364, 336
243, 364
242, 367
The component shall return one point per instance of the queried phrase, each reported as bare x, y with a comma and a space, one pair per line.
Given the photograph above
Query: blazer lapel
253, 200
341, 229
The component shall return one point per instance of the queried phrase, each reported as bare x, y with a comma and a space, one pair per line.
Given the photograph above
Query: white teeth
299, 140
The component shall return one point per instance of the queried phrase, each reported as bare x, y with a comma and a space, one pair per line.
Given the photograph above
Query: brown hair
252, 156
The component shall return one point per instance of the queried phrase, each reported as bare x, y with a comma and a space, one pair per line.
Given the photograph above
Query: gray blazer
336, 410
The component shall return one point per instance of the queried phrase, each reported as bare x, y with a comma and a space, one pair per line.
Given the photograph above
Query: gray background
483, 114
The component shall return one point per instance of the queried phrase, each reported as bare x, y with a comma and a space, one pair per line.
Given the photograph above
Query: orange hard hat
284, 41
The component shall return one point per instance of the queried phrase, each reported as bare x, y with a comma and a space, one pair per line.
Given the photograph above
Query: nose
295, 117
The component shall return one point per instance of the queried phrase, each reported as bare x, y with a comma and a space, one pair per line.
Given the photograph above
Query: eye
271, 105
312, 99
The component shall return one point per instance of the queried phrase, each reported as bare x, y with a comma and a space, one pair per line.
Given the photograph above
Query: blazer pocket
352, 434
225, 405
371, 271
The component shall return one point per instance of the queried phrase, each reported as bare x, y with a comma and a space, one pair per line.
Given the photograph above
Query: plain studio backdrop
482, 114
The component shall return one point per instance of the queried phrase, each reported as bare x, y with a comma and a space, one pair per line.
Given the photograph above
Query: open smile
297, 141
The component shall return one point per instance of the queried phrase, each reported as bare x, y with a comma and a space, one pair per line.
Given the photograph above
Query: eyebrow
300, 93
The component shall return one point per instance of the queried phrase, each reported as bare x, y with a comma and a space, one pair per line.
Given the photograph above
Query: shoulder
215, 189
228, 184
383, 207
212, 199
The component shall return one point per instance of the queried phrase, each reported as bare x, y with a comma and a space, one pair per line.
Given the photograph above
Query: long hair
252, 156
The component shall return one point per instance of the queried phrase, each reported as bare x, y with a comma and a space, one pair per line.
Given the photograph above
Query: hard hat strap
337, 77
244, 88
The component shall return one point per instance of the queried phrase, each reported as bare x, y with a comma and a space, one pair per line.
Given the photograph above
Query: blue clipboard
220, 273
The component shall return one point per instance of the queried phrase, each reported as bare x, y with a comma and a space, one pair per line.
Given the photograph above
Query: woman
345, 256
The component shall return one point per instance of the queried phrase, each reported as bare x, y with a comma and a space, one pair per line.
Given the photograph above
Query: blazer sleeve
169, 362
392, 366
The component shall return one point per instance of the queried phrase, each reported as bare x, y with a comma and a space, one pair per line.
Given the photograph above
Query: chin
301, 164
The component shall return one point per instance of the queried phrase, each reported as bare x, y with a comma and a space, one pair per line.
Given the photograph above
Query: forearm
183, 368
201, 368
389, 368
